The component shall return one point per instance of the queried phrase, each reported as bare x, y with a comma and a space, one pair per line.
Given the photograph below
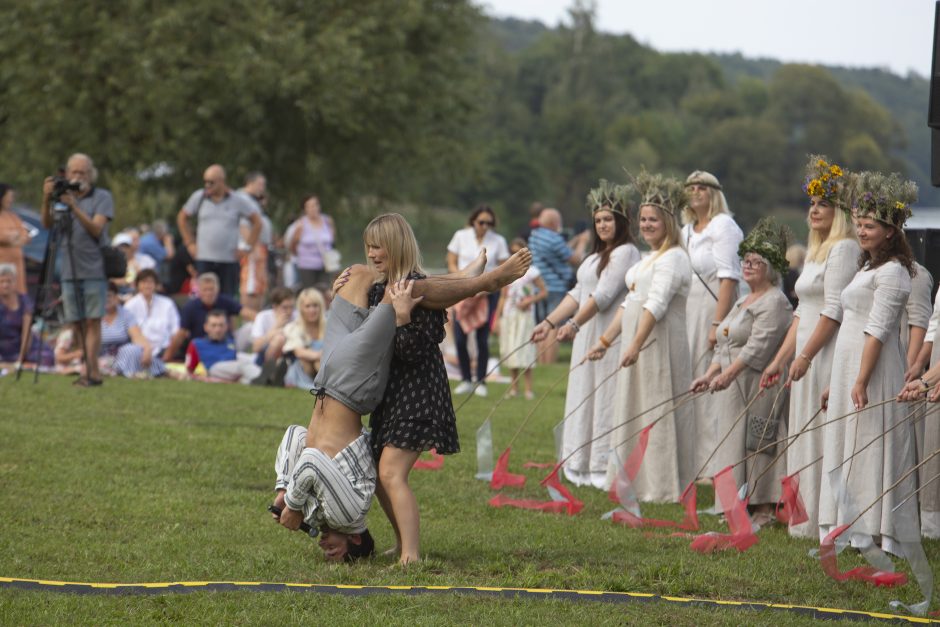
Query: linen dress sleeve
771, 321
668, 277
611, 284
726, 239
934, 320
841, 267
918, 304
892, 286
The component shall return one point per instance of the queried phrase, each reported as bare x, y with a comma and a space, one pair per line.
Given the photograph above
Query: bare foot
510, 270
475, 268
408, 559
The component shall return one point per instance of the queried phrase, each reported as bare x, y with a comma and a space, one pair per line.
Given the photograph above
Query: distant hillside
905, 97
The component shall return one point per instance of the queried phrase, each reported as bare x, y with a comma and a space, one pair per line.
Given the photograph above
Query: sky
889, 34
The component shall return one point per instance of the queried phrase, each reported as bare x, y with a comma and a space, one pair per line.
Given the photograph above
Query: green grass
168, 481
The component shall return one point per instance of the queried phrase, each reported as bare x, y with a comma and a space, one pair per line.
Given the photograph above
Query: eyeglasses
485, 223
753, 263
208, 182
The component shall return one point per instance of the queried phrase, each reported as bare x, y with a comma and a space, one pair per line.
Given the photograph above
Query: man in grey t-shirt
218, 209
81, 218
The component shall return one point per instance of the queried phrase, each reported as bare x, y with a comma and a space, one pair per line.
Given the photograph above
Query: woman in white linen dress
871, 368
711, 237
589, 307
653, 316
748, 339
831, 263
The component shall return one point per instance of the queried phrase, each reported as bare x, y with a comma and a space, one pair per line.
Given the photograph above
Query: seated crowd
198, 333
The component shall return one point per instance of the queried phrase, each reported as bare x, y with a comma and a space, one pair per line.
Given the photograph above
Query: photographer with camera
80, 213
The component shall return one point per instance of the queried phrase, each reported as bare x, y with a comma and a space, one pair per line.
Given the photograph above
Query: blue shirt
212, 352
550, 254
193, 314
151, 245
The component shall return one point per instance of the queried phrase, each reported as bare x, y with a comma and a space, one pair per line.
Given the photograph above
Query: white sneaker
481, 390
463, 387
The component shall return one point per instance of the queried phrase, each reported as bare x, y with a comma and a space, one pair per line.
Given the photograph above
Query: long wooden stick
915, 492
819, 426
893, 486
784, 450
512, 384
912, 417
727, 435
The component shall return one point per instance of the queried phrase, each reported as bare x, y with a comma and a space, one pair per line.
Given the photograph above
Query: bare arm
825, 329
643, 329
914, 347
870, 354
255, 232
452, 262
565, 309
726, 290
771, 374
186, 233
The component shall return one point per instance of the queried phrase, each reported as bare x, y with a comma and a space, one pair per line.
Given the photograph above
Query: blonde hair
842, 228
392, 232
716, 198
673, 236
305, 296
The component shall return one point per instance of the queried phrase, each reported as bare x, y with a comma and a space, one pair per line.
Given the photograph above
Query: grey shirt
85, 249
217, 224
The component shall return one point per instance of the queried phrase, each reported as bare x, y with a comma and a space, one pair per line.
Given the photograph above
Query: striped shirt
550, 254
334, 492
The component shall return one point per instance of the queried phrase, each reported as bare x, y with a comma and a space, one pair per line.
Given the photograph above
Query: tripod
45, 304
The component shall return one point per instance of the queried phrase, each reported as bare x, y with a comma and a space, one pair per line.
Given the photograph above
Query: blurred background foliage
425, 106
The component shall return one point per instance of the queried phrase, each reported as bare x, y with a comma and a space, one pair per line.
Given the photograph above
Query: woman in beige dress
748, 338
831, 262
653, 316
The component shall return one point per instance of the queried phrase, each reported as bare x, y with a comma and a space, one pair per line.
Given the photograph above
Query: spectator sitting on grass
193, 314
216, 352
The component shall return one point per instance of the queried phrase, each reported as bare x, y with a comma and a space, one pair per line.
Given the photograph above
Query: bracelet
924, 381
808, 360
577, 327
715, 323
550, 323
604, 341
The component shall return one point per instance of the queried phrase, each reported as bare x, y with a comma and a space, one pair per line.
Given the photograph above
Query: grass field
154, 481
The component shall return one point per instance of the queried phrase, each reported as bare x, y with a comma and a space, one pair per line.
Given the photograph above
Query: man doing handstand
326, 473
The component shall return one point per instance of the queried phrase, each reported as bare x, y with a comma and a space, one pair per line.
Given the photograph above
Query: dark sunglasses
485, 223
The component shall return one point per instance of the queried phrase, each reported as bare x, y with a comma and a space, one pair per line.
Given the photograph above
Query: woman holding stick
831, 262
872, 366
747, 338
589, 308
654, 309
711, 237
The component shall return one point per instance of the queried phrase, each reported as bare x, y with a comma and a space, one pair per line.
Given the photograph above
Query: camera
60, 185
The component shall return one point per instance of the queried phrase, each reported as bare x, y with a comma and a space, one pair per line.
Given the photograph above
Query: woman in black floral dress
417, 413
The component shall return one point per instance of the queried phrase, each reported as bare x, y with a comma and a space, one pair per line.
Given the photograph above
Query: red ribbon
790, 509
501, 475
435, 463
827, 558
742, 535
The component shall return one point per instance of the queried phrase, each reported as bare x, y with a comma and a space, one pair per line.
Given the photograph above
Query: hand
281, 318
47, 187
278, 503
597, 352
495, 329
912, 391
913, 373
290, 518
798, 368
146, 357
712, 336
341, 280
700, 384
824, 399
402, 301
629, 356
720, 382
524, 304
934, 394
541, 331
566, 332
68, 199
771, 375
191, 249
241, 254
860, 395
